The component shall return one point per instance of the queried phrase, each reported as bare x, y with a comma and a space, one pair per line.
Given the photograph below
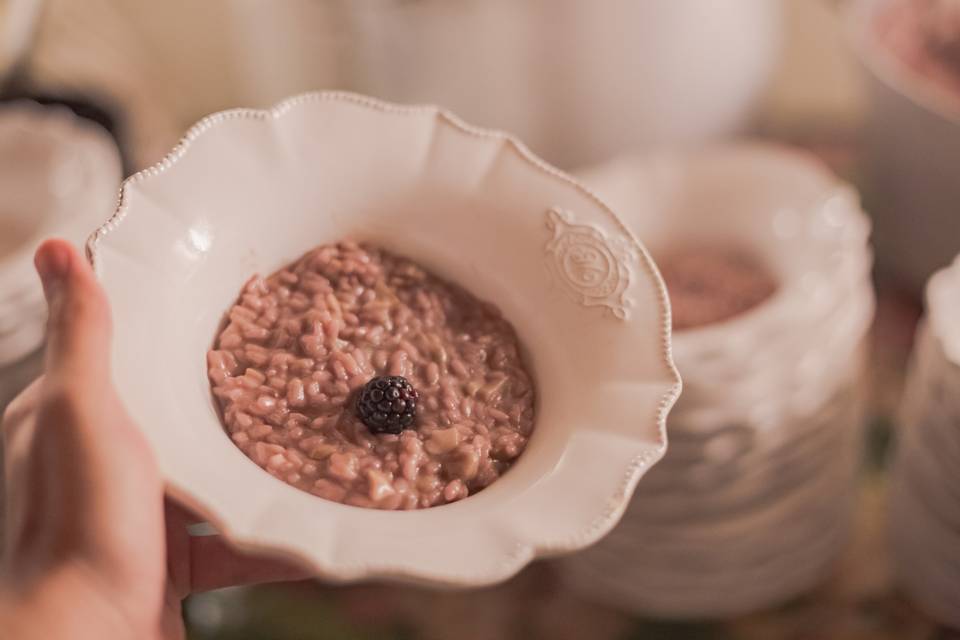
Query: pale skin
94, 548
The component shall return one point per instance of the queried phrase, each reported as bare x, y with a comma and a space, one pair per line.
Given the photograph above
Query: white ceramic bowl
925, 498
912, 144
58, 176
750, 504
248, 191
578, 84
780, 205
943, 309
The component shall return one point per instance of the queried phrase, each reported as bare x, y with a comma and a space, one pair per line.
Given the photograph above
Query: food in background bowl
712, 285
357, 376
911, 136
924, 35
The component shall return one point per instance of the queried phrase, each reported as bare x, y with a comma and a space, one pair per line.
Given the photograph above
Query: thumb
78, 326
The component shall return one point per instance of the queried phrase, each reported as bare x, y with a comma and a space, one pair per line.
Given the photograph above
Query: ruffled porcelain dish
247, 191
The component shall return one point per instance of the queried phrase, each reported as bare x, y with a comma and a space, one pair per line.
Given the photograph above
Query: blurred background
120, 81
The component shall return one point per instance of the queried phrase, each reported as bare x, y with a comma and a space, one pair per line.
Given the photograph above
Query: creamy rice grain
298, 346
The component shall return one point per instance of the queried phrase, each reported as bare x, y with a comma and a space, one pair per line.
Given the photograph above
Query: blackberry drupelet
387, 404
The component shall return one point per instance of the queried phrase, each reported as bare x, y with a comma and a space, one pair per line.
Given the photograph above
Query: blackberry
387, 404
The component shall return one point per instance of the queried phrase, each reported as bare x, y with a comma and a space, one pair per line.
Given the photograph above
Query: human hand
93, 547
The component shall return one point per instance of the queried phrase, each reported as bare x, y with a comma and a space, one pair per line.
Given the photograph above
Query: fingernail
53, 264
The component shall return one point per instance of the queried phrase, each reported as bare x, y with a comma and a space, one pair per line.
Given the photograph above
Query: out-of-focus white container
752, 502
925, 495
912, 151
58, 176
18, 20
578, 81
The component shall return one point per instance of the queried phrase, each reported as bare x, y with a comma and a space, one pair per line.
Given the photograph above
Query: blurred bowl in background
770, 202
576, 83
925, 495
58, 176
579, 84
18, 22
752, 502
912, 150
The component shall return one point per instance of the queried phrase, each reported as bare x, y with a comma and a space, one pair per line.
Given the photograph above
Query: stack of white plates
59, 176
925, 494
751, 503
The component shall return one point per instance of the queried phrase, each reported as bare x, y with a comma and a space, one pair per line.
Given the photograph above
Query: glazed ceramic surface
912, 141
751, 503
925, 500
633, 75
248, 191
58, 177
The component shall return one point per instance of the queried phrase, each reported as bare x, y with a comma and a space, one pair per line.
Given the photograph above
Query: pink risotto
925, 36
709, 285
359, 377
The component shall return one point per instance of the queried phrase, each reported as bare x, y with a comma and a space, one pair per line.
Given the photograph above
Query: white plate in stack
751, 503
925, 493
59, 176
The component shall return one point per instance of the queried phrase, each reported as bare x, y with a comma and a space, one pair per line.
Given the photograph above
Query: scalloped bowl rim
524, 550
